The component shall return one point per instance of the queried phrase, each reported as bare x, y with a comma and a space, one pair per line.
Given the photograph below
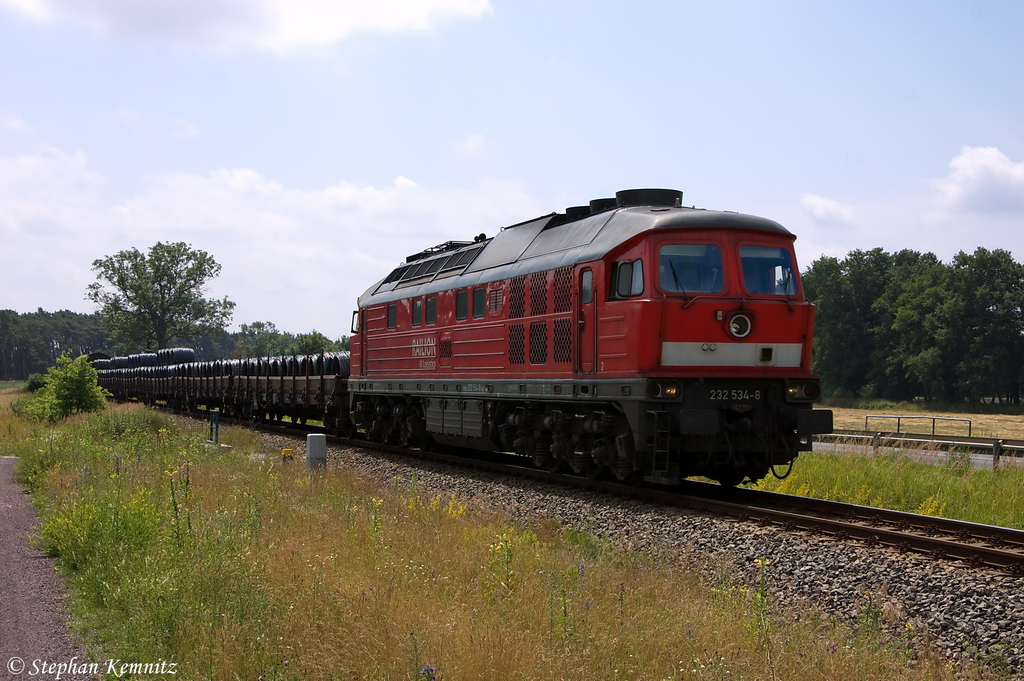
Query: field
1010, 426
237, 565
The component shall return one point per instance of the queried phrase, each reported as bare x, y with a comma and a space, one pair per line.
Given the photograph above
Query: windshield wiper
675, 278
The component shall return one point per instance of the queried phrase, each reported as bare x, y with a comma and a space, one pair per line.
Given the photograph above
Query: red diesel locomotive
632, 336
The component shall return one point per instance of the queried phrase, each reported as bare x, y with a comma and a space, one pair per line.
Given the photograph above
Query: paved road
33, 618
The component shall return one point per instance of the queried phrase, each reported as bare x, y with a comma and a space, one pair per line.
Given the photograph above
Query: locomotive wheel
635, 479
405, 436
555, 466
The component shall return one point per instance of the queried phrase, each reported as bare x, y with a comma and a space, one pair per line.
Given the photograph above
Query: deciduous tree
149, 300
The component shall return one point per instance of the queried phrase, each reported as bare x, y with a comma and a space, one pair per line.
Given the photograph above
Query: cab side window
628, 278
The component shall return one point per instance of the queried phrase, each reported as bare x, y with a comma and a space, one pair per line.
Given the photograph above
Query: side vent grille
539, 343
563, 289
517, 298
538, 293
516, 344
563, 340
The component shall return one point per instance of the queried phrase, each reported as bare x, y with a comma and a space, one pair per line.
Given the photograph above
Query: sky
310, 145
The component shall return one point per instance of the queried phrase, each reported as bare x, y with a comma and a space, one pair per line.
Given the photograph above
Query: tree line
905, 325
32, 342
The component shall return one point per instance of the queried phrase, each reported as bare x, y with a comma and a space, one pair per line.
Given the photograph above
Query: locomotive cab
725, 348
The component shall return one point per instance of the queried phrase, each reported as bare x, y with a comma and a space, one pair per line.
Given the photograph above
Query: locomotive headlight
663, 390
802, 391
740, 326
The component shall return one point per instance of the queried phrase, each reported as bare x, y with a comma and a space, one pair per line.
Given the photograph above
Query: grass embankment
954, 490
236, 567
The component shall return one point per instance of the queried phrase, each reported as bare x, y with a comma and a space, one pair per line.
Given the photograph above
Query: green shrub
35, 382
70, 387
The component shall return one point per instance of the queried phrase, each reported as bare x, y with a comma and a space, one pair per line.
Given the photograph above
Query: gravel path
33, 616
969, 615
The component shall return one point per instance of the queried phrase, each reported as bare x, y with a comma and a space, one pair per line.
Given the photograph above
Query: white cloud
299, 258
29, 185
826, 210
982, 180
474, 144
183, 129
277, 25
133, 119
13, 123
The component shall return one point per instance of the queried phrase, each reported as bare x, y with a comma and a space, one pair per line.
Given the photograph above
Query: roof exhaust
661, 198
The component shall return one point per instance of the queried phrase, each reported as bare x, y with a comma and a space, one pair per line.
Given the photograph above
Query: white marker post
316, 451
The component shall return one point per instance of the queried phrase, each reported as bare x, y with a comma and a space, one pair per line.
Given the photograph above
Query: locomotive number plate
734, 395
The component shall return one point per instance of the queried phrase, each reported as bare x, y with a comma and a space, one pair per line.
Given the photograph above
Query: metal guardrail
997, 447
900, 419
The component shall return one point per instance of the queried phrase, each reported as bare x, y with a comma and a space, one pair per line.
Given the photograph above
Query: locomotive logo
424, 347
709, 347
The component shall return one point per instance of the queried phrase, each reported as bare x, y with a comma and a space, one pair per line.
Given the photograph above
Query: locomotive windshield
690, 268
768, 270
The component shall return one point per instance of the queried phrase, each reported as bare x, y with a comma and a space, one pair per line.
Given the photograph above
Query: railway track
973, 544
